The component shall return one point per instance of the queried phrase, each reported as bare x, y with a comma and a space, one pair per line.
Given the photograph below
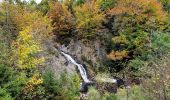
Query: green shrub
4, 95
166, 4
93, 94
66, 87
110, 96
106, 4
159, 46
134, 93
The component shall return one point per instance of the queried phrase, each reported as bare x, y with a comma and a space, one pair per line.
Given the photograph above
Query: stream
83, 72
81, 69
86, 81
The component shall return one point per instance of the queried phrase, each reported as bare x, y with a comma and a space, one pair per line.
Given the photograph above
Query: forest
85, 50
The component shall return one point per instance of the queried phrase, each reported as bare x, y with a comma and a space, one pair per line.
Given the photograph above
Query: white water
83, 71
109, 80
80, 67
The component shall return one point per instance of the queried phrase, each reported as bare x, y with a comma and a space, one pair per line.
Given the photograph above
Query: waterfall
83, 72
87, 82
80, 67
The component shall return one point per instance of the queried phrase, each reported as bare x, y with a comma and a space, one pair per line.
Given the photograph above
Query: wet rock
84, 86
120, 82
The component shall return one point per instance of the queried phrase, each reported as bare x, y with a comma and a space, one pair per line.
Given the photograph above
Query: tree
106, 4
62, 19
79, 2
88, 19
166, 4
66, 87
32, 29
137, 13
39, 25
135, 20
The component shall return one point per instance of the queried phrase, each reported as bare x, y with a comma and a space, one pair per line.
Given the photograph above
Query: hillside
85, 50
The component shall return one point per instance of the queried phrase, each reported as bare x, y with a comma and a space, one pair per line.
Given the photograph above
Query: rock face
91, 53
56, 61
60, 65
84, 53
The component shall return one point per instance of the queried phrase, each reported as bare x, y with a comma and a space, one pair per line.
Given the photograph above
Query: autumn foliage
25, 49
62, 20
117, 55
134, 22
33, 29
145, 14
128, 39
33, 84
40, 27
88, 18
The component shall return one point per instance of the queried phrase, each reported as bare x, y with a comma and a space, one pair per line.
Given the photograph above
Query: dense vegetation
139, 47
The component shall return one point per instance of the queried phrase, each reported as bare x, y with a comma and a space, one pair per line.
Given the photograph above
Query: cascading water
80, 67
87, 82
83, 72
